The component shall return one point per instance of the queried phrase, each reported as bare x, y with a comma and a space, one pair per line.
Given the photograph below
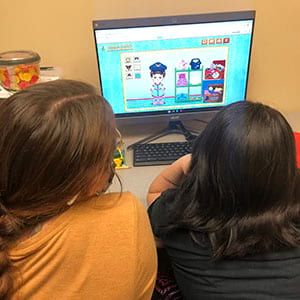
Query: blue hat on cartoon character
158, 67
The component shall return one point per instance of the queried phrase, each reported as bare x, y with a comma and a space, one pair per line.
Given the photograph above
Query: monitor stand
173, 127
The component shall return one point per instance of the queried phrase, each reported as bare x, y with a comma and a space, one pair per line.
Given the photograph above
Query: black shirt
263, 277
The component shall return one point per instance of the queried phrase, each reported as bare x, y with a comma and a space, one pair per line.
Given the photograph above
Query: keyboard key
159, 153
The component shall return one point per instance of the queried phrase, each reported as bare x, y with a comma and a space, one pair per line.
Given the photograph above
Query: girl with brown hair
61, 236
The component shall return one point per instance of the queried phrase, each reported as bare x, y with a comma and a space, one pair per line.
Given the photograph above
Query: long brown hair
57, 141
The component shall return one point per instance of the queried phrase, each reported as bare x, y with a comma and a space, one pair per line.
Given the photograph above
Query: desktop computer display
174, 64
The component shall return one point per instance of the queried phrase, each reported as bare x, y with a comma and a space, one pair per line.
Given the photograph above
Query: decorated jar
19, 69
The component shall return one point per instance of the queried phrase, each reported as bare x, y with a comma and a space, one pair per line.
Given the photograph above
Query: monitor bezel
174, 20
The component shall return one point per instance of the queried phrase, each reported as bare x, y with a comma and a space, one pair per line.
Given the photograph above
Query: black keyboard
159, 153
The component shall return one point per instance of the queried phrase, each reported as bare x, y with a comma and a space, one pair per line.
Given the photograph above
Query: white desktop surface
138, 179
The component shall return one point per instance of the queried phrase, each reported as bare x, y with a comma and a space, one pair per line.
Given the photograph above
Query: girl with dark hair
61, 236
229, 214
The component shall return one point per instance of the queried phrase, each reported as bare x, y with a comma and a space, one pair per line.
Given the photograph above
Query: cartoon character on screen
158, 73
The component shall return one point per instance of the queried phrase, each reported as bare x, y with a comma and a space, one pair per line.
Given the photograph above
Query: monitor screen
174, 64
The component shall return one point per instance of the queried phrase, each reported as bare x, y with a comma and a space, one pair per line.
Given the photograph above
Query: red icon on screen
204, 42
226, 40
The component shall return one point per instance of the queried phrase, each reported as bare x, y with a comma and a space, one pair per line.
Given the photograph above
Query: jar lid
11, 58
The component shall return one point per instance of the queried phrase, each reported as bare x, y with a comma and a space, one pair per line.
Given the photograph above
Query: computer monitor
174, 65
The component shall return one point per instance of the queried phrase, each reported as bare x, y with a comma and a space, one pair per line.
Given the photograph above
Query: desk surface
138, 179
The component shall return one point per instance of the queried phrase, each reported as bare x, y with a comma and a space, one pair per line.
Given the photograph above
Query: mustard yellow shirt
99, 249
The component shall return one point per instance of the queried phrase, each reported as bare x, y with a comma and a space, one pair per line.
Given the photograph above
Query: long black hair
241, 189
